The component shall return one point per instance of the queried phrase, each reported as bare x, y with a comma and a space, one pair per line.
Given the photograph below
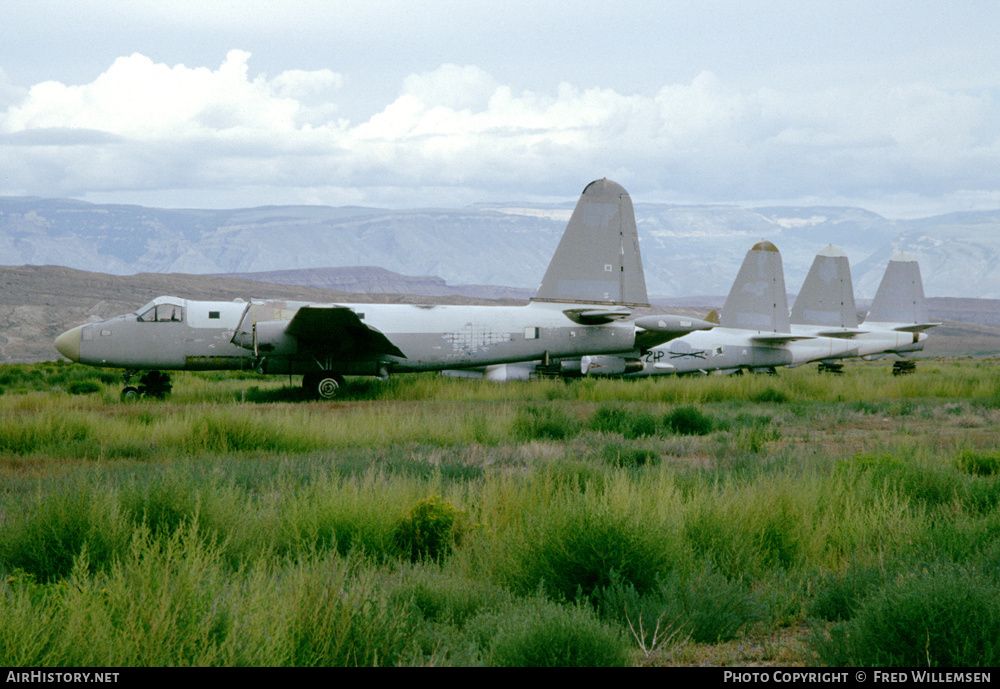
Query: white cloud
142, 100
142, 125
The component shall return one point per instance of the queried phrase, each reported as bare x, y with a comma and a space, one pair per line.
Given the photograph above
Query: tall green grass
428, 521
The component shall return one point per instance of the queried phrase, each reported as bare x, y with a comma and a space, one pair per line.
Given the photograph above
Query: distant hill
686, 249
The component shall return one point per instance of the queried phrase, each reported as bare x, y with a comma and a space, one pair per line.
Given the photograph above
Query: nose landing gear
151, 384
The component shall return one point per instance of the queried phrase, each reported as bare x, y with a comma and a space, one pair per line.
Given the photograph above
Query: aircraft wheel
324, 385
130, 394
328, 386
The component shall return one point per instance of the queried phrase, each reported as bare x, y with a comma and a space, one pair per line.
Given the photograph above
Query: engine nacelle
267, 338
604, 365
504, 372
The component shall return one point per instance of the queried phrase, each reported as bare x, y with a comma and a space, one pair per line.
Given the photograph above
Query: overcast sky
888, 105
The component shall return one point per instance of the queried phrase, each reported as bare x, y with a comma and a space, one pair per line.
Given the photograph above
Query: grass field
797, 519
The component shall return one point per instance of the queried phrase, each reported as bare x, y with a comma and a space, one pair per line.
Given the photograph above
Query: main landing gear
151, 384
324, 384
901, 368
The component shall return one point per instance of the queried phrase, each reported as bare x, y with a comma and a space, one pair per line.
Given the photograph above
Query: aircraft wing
654, 330
778, 339
339, 330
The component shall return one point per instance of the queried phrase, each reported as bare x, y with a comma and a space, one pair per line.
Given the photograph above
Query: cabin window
214, 315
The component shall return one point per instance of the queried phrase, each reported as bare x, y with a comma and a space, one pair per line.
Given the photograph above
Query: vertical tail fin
598, 260
757, 300
827, 295
900, 295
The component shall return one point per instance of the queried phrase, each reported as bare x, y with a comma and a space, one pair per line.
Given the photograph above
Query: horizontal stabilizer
916, 327
843, 333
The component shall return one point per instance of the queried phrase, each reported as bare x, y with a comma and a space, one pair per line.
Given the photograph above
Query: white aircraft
754, 332
895, 324
581, 307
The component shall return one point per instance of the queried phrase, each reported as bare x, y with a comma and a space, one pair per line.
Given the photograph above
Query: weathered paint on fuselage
431, 337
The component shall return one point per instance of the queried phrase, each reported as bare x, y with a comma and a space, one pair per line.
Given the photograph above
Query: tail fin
598, 261
900, 295
827, 295
757, 300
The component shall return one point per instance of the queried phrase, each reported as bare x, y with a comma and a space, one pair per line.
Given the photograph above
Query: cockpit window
163, 313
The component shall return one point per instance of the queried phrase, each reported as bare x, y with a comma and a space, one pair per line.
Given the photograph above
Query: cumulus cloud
146, 125
143, 100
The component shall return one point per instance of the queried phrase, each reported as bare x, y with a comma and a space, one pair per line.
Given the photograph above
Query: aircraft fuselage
178, 334
732, 348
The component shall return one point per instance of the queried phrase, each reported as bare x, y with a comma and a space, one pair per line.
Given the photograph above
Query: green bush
617, 419
754, 438
83, 387
838, 596
688, 421
705, 607
878, 466
771, 395
978, 463
942, 617
628, 457
430, 530
544, 422
539, 633
446, 598
575, 550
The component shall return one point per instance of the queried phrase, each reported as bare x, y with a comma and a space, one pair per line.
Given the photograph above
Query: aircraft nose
68, 344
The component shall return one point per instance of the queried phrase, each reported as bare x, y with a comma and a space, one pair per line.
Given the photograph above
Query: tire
323, 385
328, 386
130, 394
